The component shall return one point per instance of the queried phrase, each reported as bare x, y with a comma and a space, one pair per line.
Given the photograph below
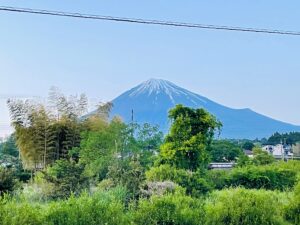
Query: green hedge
271, 177
244, 207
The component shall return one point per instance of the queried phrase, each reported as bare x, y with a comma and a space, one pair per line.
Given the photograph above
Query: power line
149, 22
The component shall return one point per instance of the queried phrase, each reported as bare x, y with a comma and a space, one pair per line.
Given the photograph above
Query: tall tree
188, 143
47, 132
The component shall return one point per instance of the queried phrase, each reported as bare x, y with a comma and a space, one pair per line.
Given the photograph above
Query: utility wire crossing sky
149, 22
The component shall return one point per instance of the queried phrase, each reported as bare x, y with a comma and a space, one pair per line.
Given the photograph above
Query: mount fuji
151, 100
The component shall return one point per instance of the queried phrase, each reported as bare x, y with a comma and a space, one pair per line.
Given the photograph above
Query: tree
9, 147
67, 178
47, 132
7, 180
189, 140
224, 151
128, 173
248, 145
262, 157
287, 138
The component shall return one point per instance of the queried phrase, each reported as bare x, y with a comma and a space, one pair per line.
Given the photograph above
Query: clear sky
103, 59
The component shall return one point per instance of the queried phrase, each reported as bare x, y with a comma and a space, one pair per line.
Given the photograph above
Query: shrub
262, 157
193, 182
128, 173
101, 208
67, 178
267, 177
7, 180
243, 207
271, 177
218, 178
158, 188
172, 209
14, 212
292, 211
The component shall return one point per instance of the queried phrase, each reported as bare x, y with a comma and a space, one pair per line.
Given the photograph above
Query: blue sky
103, 59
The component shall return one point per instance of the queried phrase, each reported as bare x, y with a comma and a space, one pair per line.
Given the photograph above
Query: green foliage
225, 151
219, 179
171, 209
66, 177
128, 173
263, 177
8, 180
289, 138
262, 157
9, 147
193, 182
292, 211
271, 177
248, 145
100, 145
104, 141
45, 133
102, 208
188, 142
243, 207
13, 212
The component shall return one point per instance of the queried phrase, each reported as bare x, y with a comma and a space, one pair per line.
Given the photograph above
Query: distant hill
152, 99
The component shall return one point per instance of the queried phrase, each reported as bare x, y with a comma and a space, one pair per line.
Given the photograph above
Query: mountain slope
152, 99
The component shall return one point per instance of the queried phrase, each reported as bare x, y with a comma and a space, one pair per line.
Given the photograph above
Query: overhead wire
148, 22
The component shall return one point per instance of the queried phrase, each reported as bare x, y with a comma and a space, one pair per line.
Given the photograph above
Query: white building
279, 150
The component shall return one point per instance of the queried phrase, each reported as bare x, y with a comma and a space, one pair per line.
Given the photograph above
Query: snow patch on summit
158, 86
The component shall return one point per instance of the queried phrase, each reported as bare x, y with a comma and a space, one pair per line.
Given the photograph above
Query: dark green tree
224, 151
9, 147
248, 145
188, 142
67, 178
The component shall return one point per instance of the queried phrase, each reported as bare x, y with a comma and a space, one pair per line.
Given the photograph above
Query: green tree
262, 157
8, 180
188, 143
67, 177
248, 145
127, 173
224, 151
47, 132
9, 147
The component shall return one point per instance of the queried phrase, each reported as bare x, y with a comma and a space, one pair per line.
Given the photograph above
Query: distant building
249, 153
279, 151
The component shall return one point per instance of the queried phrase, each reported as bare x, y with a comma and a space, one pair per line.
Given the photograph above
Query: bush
193, 182
14, 212
292, 211
262, 157
128, 173
218, 178
102, 208
271, 177
7, 180
267, 177
243, 207
67, 177
172, 209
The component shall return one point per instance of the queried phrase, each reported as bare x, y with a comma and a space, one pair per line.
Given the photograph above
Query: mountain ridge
152, 99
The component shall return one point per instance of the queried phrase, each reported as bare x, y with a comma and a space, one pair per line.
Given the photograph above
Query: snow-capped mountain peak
150, 101
160, 86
